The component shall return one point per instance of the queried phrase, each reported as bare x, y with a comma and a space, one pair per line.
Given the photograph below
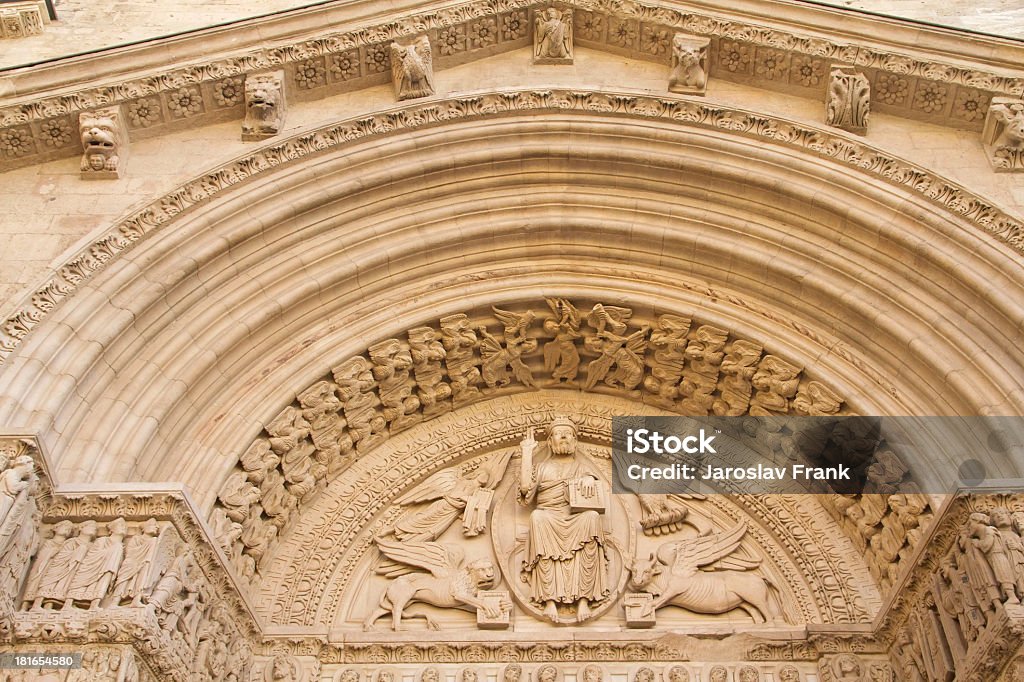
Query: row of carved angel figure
672, 363
886, 523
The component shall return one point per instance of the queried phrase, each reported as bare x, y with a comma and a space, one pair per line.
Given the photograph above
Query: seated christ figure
565, 560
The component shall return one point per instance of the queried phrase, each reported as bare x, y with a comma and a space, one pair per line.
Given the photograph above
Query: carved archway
212, 310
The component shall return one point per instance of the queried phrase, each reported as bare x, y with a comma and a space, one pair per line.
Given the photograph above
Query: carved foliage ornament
20, 20
848, 102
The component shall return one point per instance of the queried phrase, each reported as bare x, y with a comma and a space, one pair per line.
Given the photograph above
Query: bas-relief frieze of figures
978, 584
125, 570
670, 361
559, 548
887, 521
80, 568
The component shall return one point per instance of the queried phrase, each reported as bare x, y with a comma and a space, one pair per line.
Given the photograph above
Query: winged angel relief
565, 551
451, 494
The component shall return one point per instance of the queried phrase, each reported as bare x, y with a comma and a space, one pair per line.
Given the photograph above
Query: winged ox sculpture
705, 575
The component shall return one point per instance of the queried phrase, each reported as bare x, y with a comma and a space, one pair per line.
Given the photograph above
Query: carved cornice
907, 81
583, 648
830, 146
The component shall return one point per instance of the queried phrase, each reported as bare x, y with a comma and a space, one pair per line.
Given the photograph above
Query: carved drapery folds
105, 144
565, 560
848, 101
21, 490
265, 105
552, 36
690, 64
668, 361
1003, 135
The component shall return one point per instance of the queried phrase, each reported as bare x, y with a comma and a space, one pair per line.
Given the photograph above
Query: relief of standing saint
565, 560
17, 485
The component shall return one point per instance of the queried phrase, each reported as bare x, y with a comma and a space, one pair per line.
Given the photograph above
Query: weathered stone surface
380, 344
